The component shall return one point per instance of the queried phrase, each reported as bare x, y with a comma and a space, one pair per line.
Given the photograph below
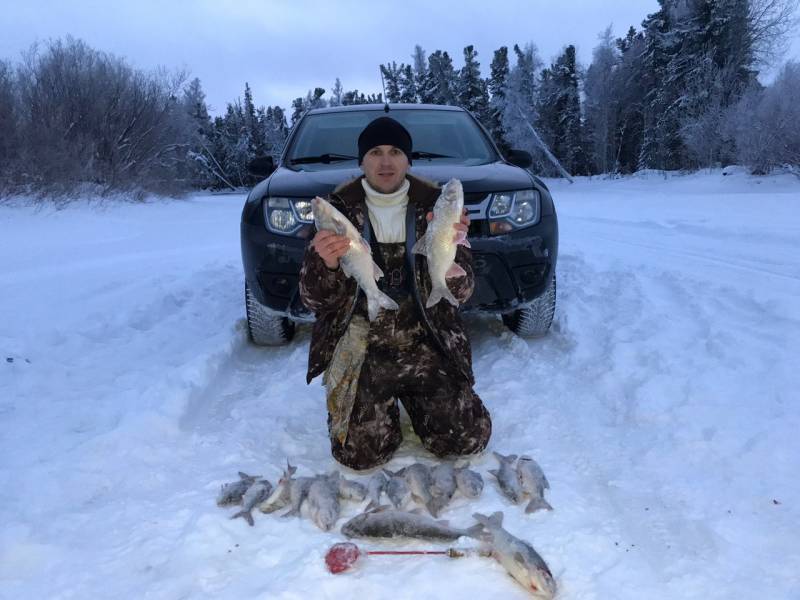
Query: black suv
514, 231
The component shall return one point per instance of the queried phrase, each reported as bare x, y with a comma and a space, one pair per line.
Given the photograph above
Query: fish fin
365, 245
378, 301
499, 456
377, 272
464, 242
496, 519
244, 514
455, 270
519, 559
246, 477
380, 508
290, 470
390, 474
494, 472
477, 531
417, 511
291, 513
439, 292
421, 246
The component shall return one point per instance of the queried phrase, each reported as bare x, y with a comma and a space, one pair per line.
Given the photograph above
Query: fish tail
377, 301
244, 514
537, 504
437, 293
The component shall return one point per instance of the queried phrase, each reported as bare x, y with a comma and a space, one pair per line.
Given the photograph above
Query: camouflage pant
401, 364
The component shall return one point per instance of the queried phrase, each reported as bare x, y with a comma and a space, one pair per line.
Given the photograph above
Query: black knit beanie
384, 130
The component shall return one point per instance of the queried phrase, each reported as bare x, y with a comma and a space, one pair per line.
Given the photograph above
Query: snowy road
664, 406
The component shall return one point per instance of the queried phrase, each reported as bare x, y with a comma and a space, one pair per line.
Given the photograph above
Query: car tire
533, 320
264, 328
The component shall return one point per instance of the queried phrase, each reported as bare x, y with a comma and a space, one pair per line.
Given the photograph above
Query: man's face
385, 168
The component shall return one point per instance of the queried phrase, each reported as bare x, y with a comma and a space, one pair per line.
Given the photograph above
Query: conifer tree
497, 86
472, 90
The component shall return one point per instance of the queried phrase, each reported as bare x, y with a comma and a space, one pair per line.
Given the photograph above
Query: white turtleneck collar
380, 199
387, 212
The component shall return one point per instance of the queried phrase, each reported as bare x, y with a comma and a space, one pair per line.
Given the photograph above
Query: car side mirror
520, 158
261, 166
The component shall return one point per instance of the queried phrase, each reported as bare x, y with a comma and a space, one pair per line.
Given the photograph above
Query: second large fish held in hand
357, 263
439, 243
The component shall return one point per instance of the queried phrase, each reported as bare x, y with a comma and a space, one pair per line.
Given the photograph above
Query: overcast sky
284, 48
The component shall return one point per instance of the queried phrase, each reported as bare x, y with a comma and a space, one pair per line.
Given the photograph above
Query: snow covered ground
664, 406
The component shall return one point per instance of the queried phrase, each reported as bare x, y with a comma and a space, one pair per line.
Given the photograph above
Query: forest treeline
681, 92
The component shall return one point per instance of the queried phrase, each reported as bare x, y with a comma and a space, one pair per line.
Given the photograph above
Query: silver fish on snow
323, 501
389, 523
352, 490
518, 557
419, 480
357, 262
397, 489
469, 483
255, 494
507, 478
438, 243
442, 488
231, 493
281, 495
298, 492
533, 483
375, 486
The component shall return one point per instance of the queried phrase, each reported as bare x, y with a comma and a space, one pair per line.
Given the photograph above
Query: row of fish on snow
433, 487
519, 480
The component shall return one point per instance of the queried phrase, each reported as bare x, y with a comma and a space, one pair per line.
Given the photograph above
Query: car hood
492, 177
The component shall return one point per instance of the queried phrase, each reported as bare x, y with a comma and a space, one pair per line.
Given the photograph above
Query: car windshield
441, 136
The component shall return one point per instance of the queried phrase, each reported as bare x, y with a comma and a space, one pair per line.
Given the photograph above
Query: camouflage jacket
331, 296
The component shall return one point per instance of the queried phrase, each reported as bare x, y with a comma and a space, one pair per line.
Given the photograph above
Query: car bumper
510, 270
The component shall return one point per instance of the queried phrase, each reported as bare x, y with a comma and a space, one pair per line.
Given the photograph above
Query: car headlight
513, 210
287, 216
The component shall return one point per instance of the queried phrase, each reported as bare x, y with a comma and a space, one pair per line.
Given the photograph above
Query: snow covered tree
629, 91
199, 161
440, 83
497, 87
420, 71
391, 80
336, 94
560, 112
275, 131
472, 91
601, 104
8, 125
519, 109
408, 86
766, 124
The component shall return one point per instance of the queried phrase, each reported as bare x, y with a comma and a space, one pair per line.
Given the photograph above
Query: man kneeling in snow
419, 356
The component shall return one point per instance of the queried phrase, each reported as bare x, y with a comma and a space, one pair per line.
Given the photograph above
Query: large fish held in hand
439, 243
357, 263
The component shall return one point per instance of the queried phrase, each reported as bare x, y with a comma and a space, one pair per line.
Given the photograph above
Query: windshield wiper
322, 158
417, 154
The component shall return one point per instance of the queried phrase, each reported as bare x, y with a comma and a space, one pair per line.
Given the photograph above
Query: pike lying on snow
357, 262
438, 243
